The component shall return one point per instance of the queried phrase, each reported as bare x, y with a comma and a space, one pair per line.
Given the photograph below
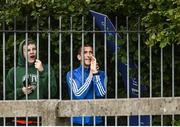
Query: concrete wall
55, 112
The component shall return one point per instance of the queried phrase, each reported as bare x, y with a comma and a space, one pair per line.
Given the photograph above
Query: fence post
49, 114
49, 111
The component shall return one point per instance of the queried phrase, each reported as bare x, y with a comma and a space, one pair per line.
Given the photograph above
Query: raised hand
27, 90
94, 65
38, 65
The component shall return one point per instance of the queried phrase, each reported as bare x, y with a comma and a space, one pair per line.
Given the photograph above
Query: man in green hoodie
27, 80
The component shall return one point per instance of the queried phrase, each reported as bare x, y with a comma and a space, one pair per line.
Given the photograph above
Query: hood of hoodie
21, 59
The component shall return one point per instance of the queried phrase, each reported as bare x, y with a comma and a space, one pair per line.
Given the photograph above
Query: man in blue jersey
87, 85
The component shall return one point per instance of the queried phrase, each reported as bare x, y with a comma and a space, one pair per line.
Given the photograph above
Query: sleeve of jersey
79, 91
99, 85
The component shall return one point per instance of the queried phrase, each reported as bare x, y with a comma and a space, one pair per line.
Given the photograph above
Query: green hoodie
32, 74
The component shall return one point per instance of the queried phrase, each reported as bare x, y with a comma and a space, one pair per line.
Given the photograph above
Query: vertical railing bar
173, 79
94, 52
105, 52
116, 69
15, 58
60, 71
82, 120
173, 118
139, 66
105, 60
82, 50
162, 120
139, 60
82, 35
127, 25
49, 56
37, 34
150, 70
116, 58
71, 60
82, 62
15, 65
173, 95
26, 43
4, 69
150, 78
127, 58
4, 63
94, 37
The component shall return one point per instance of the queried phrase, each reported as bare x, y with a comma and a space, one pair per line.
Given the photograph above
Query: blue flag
104, 24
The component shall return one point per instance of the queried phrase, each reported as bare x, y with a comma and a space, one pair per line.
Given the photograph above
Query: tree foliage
161, 18
162, 23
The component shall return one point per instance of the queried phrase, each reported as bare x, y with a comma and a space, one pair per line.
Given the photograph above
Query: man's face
31, 53
88, 52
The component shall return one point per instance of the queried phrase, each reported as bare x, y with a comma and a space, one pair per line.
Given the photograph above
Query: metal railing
126, 100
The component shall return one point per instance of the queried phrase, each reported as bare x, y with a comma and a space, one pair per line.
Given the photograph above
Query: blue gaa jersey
85, 90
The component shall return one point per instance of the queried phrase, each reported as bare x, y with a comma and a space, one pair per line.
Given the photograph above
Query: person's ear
79, 57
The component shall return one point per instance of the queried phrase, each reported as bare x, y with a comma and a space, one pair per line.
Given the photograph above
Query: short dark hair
85, 45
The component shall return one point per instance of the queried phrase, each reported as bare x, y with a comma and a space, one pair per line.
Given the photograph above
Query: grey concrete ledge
103, 107
21, 108
120, 107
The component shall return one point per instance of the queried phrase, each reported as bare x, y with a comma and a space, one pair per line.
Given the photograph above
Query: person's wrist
41, 69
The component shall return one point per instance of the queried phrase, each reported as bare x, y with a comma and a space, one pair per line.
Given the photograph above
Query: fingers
27, 90
38, 65
37, 62
97, 66
93, 58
